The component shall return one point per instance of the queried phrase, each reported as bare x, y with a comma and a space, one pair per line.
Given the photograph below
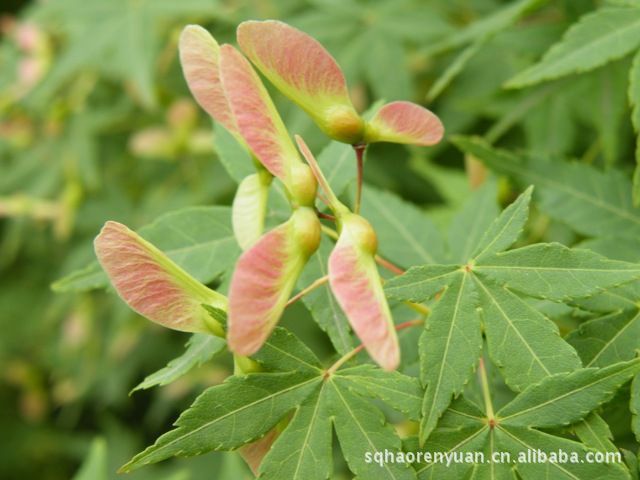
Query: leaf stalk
317, 283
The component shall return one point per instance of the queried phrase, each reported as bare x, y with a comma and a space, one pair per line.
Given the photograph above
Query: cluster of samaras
225, 84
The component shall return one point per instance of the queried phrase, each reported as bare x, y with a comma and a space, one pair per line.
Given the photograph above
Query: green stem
330, 232
383, 262
359, 149
484, 382
320, 281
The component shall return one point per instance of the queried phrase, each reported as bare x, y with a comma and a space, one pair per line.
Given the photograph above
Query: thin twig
389, 266
326, 216
330, 232
359, 149
349, 355
320, 281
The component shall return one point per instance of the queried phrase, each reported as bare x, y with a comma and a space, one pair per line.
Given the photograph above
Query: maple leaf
555, 401
482, 293
245, 408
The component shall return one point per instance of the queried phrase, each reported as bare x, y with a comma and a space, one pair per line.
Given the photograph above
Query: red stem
326, 216
389, 266
349, 355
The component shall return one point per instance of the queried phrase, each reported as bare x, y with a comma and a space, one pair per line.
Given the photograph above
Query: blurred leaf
234, 468
590, 201
607, 110
597, 38
387, 69
233, 156
95, 466
89, 278
615, 247
550, 127
490, 24
120, 38
634, 100
454, 68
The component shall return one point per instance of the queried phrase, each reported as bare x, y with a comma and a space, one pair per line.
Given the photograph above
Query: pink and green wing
356, 284
153, 285
257, 119
200, 60
404, 122
250, 208
260, 287
303, 70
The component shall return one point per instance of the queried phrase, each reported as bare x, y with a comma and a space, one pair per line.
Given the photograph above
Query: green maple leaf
294, 385
557, 400
613, 335
483, 294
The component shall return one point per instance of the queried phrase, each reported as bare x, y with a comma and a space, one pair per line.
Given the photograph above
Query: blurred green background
96, 123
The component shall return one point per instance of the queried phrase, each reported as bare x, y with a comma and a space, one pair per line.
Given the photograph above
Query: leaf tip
199, 55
